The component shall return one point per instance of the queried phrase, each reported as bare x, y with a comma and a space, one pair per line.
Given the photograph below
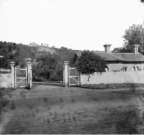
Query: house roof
122, 57
130, 56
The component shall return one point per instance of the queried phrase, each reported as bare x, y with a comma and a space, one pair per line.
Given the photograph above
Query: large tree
133, 35
89, 63
14, 52
46, 68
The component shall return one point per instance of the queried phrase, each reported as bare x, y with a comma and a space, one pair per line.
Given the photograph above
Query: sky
76, 24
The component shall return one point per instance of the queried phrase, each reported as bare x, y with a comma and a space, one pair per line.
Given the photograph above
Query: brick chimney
107, 48
136, 48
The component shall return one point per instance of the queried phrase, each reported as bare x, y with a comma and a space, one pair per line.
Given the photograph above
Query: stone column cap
136, 45
1, 56
12, 62
66, 62
27, 59
29, 62
107, 45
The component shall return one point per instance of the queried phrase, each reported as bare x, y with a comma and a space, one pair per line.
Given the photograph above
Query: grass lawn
113, 85
52, 109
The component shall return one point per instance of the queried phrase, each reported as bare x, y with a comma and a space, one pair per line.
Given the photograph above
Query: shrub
89, 63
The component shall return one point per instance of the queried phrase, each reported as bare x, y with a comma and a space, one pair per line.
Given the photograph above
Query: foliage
45, 66
89, 63
133, 35
50, 66
14, 52
64, 54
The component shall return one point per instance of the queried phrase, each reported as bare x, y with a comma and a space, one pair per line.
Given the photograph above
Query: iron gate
20, 77
74, 77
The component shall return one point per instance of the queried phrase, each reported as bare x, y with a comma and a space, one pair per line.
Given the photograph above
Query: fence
114, 77
105, 77
6, 76
12, 78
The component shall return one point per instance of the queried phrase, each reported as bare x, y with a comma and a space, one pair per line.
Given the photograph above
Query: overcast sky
76, 24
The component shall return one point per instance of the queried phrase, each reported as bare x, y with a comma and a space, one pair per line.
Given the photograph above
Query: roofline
76, 53
121, 60
118, 57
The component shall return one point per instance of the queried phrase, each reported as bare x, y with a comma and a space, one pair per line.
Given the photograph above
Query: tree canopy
89, 62
45, 66
133, 35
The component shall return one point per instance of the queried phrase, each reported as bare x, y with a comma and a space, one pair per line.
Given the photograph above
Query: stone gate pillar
80, 78
29, 73
66, 73
12, 74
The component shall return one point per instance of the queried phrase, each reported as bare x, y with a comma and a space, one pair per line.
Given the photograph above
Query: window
124, 69
138, 68
134, 69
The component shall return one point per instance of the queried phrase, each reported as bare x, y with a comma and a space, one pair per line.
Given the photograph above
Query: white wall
114, 77
5, 80
129, 66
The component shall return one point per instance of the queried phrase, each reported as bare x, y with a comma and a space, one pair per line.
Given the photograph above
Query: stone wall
114, 77
125, 67
5, 80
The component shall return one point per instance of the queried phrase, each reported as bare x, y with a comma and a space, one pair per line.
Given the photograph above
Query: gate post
66, 74
80, 78
12, 74
29, 73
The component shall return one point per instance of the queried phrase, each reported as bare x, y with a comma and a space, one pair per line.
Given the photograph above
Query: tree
65, 54
133, 35
89, 62
47, 67
14, 52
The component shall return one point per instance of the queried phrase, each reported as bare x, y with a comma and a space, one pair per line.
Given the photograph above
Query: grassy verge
115, 122
73, 111
48, 83
4, 101
4, 91
112, 86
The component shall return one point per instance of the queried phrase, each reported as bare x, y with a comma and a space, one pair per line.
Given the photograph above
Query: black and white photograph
71, 66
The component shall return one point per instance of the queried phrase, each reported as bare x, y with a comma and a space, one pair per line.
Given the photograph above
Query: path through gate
23, 76
74, 77
20, 77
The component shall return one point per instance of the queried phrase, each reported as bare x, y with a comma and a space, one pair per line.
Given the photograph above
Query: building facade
122, 67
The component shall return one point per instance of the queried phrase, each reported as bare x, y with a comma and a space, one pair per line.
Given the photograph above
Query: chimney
107, 48
136, 49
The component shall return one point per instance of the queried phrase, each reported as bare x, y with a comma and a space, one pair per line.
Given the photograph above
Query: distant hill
17, 52
41, 49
